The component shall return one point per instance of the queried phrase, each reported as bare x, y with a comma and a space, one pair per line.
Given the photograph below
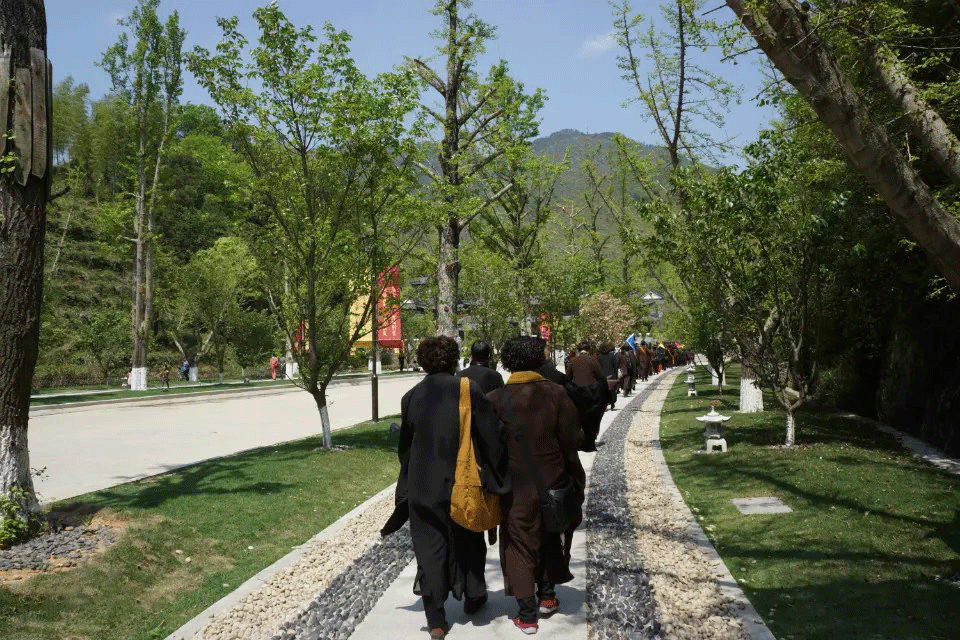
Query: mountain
598, 147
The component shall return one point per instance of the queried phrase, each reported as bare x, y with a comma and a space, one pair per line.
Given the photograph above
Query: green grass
270, 499
874, 536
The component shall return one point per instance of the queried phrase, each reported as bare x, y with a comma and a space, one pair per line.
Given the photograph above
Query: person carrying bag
470, 506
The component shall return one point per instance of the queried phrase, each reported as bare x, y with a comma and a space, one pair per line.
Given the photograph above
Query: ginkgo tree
334, 187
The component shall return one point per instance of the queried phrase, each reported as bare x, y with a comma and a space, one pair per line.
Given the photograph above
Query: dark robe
549, 420
585, 372
488, 379
625, 379
451, 559
643, 363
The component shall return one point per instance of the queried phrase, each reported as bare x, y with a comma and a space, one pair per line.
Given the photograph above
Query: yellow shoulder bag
470, 506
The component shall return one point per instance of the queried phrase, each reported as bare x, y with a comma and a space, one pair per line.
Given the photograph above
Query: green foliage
16, 524
331, 182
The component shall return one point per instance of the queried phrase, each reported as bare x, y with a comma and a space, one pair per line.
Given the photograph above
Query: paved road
86, 448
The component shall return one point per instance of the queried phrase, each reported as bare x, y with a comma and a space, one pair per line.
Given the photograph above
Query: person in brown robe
585, 372
450, 558
534, 561
643, 361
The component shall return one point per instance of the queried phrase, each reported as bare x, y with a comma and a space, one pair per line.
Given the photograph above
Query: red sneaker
548, 606
528, 628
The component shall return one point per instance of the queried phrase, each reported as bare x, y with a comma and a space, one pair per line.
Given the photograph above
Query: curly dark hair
438, 354
523, 353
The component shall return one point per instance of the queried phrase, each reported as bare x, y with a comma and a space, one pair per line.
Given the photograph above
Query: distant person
610, 363
165, 376
480, 370
184, 370
450, 559
274, 361
585, 372
401, 358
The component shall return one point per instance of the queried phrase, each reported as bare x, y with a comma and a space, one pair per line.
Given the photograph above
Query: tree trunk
751, 395
320, 397
925, 123
23, 222
791, 430
448, 279
787, 37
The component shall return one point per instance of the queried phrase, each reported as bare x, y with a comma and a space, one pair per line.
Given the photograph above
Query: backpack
470, 506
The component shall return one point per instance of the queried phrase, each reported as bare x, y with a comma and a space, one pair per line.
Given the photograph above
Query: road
89, 447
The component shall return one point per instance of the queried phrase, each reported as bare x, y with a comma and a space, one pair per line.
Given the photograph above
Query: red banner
390, 335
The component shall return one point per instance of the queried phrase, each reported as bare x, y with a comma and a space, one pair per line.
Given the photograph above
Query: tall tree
333, 182
25, 109
147, 76
479, 121
784, 31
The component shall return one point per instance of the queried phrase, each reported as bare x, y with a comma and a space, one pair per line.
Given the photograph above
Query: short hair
523, 353
438, 354
606, 347
585, 346
480, 351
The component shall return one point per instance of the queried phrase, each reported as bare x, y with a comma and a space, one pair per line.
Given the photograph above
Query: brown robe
549, 420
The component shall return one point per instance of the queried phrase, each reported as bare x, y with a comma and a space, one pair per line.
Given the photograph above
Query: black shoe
472, 605
588, 448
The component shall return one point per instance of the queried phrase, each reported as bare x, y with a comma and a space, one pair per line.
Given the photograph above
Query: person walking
450, 558
585, 372
610, 364
480, 370
165, 376
543, 437
625, 378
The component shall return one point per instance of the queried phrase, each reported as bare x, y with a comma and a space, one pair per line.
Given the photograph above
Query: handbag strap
521, 439
465, 444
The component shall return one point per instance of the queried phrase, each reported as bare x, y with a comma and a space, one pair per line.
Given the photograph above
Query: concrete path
401, 612
89, 447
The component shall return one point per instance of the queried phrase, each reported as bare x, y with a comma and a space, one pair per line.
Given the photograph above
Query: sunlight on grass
231, 517
874, 536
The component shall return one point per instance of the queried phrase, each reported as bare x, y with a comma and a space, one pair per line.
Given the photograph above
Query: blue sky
562, 46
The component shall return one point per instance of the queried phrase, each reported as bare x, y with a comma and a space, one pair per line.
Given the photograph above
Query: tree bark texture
925, 123
22, 226
448, 279
784, 33
751, 395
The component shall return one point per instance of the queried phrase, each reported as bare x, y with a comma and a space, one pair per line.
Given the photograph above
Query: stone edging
231, 600
753, 626
917, 447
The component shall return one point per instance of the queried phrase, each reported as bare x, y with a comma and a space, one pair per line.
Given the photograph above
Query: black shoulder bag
559, 505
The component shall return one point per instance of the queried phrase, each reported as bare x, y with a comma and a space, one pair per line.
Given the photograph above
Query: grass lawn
270, 499
872, 547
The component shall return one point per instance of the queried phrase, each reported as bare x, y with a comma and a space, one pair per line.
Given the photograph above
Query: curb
194, 626
915, 446
181, 398
754, 627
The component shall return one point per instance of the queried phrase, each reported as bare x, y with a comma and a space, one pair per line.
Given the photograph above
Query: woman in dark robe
592, 393
450, 558
533, 560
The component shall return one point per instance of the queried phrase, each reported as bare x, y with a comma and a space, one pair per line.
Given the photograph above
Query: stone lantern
713, 432
691, 381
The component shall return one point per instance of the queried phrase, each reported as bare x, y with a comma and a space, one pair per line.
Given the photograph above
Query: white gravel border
918, 448
258, 607
697, 596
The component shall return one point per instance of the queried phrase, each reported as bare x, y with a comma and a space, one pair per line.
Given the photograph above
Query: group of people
539, 410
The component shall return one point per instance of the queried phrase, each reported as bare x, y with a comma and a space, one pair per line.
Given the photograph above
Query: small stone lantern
714, 431
691, 381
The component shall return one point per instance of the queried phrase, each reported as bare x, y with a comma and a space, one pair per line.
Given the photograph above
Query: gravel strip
292, 591
696, 596
335, 613
65, 548
620, 604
